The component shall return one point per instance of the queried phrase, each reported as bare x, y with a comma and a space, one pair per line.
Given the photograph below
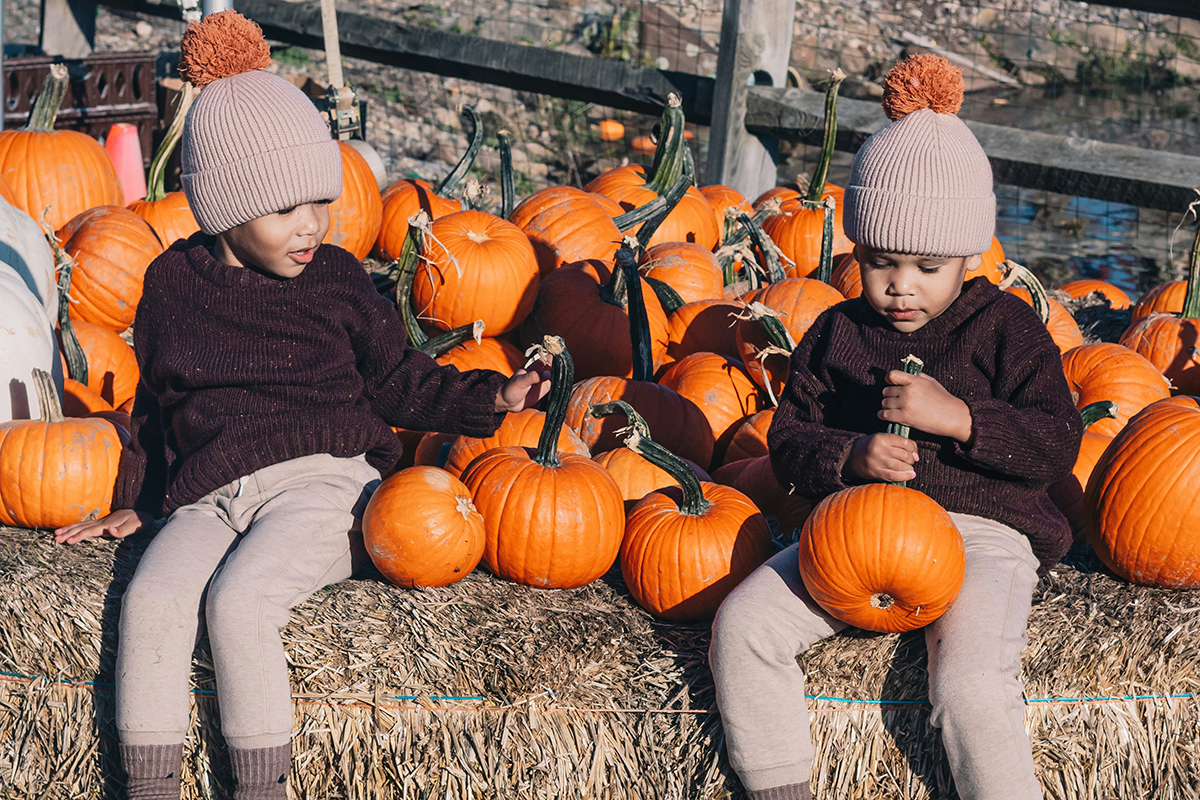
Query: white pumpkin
25, 252
26, 341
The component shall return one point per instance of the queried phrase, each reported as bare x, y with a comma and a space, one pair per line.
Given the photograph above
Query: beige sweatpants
974, 669
239, 558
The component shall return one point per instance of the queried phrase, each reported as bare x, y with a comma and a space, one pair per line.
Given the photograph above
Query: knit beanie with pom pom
253, 144
922, 184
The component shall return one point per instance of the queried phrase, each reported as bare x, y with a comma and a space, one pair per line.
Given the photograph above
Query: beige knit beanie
922, 184
253, 144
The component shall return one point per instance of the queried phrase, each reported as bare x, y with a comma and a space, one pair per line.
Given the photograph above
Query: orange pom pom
922, 81
221, 45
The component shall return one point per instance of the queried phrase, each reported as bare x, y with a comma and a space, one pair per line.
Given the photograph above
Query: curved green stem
452, 338
666, 294
669, 201
1037, 292
406, 273
562, 380
639, 323
77, 366
777, 333
668, 155
764, 245
816, 185
825, 265
156, 188
1191, 300
913, 366
1094, 412
49, 100
50, 407
508, 189
639, 441
449, 183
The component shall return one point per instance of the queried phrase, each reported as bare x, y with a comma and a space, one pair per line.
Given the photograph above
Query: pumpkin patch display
721, 389
686, 547
55, 470
1142, 514
421, 528
532, 536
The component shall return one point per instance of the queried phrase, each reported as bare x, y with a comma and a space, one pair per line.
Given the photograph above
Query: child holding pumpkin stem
992, 425
271, 371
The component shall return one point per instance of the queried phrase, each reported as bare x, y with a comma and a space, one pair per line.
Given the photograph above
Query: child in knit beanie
992, 425
271, 370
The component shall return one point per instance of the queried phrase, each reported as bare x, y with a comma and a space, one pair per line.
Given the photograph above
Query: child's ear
974, 262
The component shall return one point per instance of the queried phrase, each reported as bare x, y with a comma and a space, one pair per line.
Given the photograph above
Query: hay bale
489, 689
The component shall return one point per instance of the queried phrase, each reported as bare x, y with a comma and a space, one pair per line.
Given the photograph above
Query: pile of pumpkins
666, 313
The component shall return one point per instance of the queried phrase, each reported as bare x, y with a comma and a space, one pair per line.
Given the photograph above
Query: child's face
907, 290
281, 244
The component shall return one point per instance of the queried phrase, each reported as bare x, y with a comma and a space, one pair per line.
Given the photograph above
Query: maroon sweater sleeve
142, 473
805, 452
1029, 429
407, 388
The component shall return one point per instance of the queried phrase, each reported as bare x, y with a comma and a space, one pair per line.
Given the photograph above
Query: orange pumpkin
1107, 371
67, 171
168, 213
112, 247
610, 130
56, 471
1058, 321
1117, 299
421, 528
522, 429
475, 266
1166, 298
1067, 493
725, 202
355, 218
847, 276
882, 557
794, 303
80, 401
566, 225
687, 547
689, 269
750, 438
706, 326
991, 267
112, 367
755, 478
494, 354
533, 536
720, 388
1142, 513
429, 448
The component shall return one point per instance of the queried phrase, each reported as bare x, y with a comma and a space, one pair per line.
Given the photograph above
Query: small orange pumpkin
1166, 298
1117, 299
691, 270
750, 438
168, 213
112, 247
1107, 371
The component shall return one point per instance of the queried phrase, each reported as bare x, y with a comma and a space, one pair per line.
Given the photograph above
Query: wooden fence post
68, 28
756, 41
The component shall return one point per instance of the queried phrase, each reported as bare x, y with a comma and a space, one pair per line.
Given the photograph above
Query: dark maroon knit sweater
988, 349
241, 370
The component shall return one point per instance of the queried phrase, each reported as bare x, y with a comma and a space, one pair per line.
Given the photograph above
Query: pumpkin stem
913, 366
766, 247
666, 294
1094, 412
157, 188
470, 123
639, 322
1191, 300
562, 380
77, 366
1015, 273
638, 440
668, 154
508, 188
669, 201
452, 338
825, 264
816, 185
882, 601
49, 100
406, 266
51, 408
652, 210
614, 292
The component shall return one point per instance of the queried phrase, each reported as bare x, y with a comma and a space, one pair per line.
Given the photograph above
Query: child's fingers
898, 377
84, 533
67, 531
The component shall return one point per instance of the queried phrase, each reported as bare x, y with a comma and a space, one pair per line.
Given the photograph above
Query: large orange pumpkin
534, 535
706, 326
55, 471
112, 247
1081, 288
421, 528
726, 202
356, 217
1142, 513
168, 213
721, 389
521, 429
566, 225
687, 547
1107, 371
1067, 493
65, 171
1166, 298
691, 270
882, 557
475, 266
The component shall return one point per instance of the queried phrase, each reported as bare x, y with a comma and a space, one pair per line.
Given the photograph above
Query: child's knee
235, 605
980, 691
151, 600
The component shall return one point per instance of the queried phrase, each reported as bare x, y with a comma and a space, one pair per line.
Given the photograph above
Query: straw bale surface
546, 662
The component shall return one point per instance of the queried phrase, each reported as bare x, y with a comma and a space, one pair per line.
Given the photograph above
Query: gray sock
261, 773
152, 770
793, 791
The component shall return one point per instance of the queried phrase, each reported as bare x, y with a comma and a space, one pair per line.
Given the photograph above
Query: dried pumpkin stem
51, 408
471, 123
76, 358
1016, 273
668, 162
913, 366
437, 345
157, 188
825, 264
763, 244
562, 380
666, 294
1191, 300
639, 322
49, 100
664, 209
638, 440
406, 266
508, 189
816, 185
1094, 412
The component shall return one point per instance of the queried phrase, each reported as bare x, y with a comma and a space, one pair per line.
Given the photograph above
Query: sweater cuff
994, 438
479, 416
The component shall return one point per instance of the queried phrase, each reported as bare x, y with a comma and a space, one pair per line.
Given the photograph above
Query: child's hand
882, 457
116, 525
921, 402
523, 390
